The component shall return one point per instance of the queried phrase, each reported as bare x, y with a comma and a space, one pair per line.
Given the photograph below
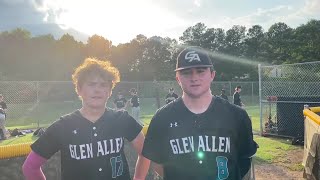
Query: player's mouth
195, 85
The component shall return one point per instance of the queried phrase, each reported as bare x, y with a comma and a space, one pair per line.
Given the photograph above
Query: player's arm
154, 147
142, 164
248, 147
31, 168
125, 104
130, 101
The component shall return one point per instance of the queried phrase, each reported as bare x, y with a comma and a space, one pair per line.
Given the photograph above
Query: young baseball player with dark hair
199, 136
120, 102
171, 96
236, 97
223, 94
91, 139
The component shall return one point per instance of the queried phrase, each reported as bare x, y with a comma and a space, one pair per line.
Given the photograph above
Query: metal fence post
260, 99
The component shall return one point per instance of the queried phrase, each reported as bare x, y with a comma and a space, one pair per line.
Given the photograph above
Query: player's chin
97, 104
194, 95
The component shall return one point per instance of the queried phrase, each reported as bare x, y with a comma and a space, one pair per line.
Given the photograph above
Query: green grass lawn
274, 150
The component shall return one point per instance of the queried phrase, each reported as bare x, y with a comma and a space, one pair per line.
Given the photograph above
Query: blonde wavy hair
94, 67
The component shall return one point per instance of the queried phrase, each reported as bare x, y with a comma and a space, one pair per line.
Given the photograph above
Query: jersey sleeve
132, 127
153, 147
50, 142
247, 146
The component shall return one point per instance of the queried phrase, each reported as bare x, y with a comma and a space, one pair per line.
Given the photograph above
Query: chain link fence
284, 90
32, 104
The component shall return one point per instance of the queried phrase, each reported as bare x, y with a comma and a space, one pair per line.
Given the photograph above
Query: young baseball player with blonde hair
90, 139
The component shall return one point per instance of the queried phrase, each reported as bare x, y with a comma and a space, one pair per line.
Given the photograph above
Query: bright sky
121, 20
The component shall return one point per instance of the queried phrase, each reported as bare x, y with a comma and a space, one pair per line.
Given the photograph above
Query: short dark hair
171, 89
223, 90
238, 87
133, 90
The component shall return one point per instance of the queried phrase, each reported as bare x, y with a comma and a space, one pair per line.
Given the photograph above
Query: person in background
135, 105
90, 139
199, 136
236, 97
223, 94
171, 96
120, 102
3, 114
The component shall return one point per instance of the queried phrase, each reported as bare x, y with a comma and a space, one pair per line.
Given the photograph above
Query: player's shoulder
169, 109
226, 105
70, 116
116, 114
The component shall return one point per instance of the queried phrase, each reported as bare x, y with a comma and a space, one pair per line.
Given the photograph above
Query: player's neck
197, 105
92, 114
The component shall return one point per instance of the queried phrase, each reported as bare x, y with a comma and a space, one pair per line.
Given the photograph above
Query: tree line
235, 52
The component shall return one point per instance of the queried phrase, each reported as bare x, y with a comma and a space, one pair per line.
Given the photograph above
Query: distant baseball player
120, 102
223, 94
236, 97
199, 136
91, 139
135, 105
171, 96
3, 110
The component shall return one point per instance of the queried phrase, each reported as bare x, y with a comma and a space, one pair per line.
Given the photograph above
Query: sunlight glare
118, 20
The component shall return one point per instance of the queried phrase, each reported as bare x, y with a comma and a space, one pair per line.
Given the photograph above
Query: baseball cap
193, 57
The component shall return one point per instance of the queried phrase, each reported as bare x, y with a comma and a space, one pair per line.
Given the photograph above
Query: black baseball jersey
135, 101
90, 150
3, 106
216, 144
236, 99
169, 97
224, 96
120, 102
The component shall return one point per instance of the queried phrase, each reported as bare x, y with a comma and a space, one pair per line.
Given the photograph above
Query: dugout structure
283, 92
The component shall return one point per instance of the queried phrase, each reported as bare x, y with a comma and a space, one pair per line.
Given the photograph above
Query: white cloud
197, 3
292, 16
311, 7
263, 17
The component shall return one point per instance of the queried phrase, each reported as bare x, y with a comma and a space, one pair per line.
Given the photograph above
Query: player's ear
177, 79
213, 74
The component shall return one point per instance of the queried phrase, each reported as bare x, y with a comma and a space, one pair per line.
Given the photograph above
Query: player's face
95, 92
195, 82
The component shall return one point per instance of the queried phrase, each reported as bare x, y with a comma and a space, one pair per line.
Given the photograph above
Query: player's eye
105, 85
186, 72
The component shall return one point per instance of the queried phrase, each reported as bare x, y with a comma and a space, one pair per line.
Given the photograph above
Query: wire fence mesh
285, 89
39, 103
